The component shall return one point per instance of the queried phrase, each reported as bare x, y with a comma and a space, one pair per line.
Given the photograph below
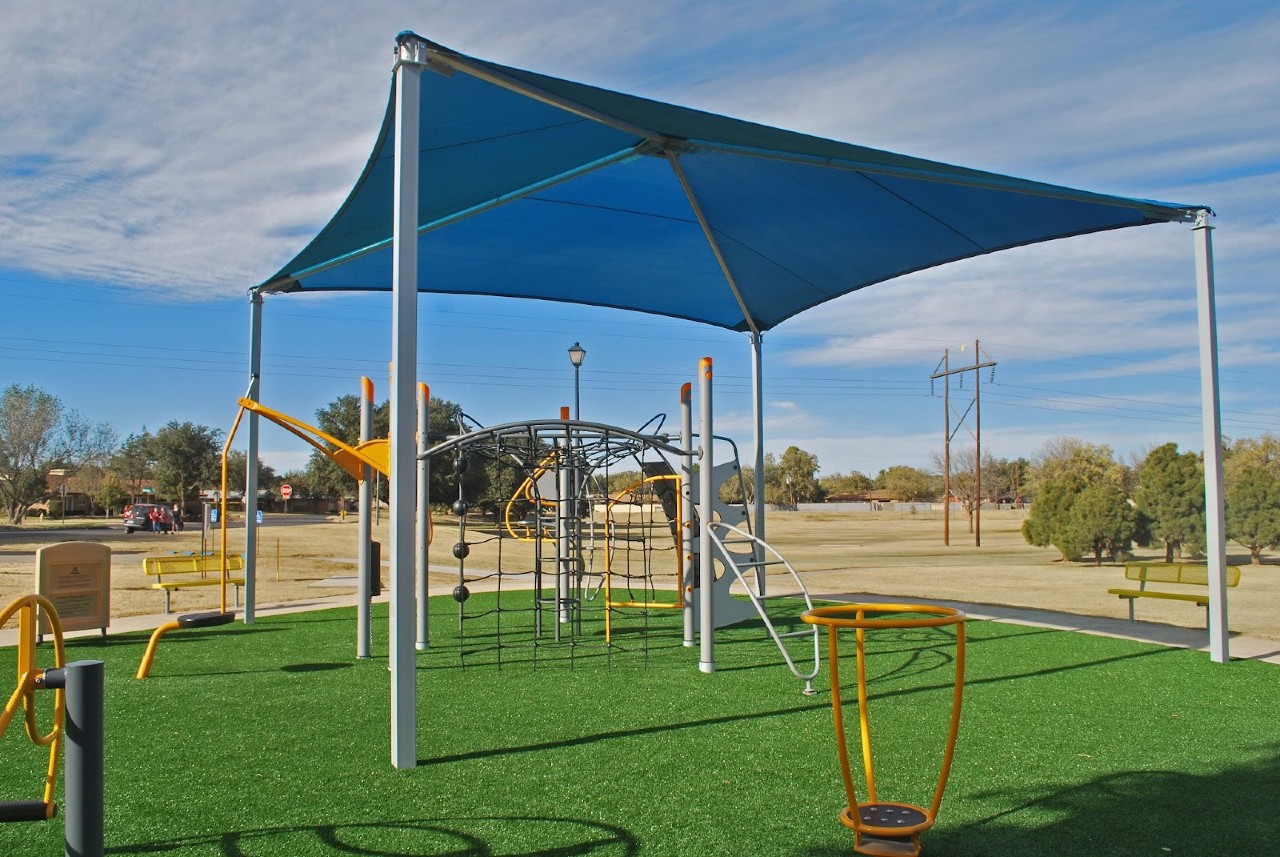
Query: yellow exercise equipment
886, 828
30, 678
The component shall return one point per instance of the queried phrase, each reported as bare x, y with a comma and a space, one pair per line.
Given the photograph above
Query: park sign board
76, 577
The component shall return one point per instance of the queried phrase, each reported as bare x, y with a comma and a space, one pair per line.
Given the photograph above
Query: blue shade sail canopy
537, 187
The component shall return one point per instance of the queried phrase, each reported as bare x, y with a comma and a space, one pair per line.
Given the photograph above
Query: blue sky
157, 160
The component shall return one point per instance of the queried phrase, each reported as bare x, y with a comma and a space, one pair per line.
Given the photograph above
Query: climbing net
571, 532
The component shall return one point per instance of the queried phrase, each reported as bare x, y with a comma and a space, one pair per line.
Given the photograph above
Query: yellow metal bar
144, 668
949, 753
837, 709
29, 676
373, 453
222, 504
864, 722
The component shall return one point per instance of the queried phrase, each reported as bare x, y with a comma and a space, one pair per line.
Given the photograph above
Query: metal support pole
686, 509
565, 498
977, 450
946, 448
411, 53
423, 542
757, 403
83, 789
1211, 417
706, 508
364, 533
251, 460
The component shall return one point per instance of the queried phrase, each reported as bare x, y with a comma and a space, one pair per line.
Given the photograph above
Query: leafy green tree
798, 471
1252, 453
1091, 463
908, 483
187, 458
1047, 521
38, 434
1008, 480
113, 496
1253, 511
134, 461
341, 419
846, 483
1101, 520
1171, 496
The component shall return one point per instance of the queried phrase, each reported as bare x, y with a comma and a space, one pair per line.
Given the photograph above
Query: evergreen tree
1253, 511
1101, 520
1171, 496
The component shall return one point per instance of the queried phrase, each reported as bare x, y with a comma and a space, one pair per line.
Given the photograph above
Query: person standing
156, 519
177, 518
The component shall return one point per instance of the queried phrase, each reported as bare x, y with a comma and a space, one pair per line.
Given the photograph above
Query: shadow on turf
1231, 811
475, 836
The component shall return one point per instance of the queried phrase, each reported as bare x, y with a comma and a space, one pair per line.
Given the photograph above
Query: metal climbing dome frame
562, 531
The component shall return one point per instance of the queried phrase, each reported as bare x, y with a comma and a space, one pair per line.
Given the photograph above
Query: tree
38, 434
112, 497
798, 473
134, 460
187, 457
1253, 511
964, 479
1171, 496
1008, 480
1101, 520
341, 419
904, 482
846, 483
1092, 463
1047, 522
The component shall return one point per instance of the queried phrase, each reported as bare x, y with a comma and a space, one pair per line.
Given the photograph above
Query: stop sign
286, 491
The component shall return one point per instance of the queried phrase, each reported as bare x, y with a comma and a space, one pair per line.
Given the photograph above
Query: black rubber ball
460, 465
461, 593
460, 507
461, 550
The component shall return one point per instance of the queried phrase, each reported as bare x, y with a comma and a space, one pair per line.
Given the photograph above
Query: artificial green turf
271, 739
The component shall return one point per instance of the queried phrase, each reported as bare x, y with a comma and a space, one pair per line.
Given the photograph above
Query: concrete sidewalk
1241, 648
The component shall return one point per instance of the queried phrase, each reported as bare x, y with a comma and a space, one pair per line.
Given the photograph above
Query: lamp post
576, 355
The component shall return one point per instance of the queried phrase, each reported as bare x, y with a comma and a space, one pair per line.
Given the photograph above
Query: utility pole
944, 371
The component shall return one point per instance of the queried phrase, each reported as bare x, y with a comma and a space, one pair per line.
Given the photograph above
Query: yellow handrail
30, 676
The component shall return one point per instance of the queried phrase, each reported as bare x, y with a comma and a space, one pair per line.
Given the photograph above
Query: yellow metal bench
180, 571
1189, 574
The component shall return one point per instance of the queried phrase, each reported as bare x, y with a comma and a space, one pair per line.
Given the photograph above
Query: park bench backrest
190, 563
1177, 572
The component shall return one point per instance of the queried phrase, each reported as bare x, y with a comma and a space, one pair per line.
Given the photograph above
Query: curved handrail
758, 603
30, 677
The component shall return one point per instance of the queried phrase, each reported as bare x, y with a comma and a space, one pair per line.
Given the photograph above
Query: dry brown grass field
884, 554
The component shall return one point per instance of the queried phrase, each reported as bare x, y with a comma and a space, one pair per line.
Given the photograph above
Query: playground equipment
76, 721
885, 827
723, 535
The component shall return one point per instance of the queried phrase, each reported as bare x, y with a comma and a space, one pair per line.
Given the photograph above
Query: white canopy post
251, 459
423, 534
1211, 417
411, 57
706, 508
757, 399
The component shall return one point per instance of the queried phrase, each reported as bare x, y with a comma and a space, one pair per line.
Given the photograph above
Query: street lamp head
577, 354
